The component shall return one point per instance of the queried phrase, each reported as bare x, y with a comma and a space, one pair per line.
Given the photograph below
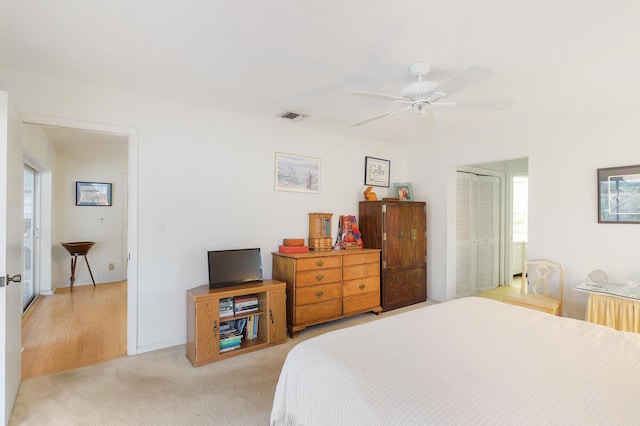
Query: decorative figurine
369, 195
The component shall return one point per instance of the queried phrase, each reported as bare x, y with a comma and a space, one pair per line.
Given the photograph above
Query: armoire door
404, 243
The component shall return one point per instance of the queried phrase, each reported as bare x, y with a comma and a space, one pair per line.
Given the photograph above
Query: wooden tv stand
203, 319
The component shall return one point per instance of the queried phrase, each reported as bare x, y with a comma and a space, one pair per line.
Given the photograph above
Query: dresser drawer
318, 293
416, 276
403, 295
395, 279
361, 286
318, 311
355, 259
360, 271
318, 263
364, 302
318, 276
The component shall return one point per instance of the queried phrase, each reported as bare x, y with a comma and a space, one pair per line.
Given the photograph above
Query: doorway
506, 171
129, 138
519, 223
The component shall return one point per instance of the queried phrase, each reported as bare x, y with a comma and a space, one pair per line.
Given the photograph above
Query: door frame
131, 134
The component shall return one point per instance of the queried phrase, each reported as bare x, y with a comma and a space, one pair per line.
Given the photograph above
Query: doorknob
11, 279
14, 279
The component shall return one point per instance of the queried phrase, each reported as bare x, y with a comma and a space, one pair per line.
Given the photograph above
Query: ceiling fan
423, 94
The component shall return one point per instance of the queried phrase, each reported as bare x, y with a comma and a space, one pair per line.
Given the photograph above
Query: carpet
163, 388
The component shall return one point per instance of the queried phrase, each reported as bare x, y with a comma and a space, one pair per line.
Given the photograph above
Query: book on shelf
251, 331
250, 299
226, 307
246, 310
229, 335
243, 304
229, 348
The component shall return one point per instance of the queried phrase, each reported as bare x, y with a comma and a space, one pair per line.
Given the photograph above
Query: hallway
75, 329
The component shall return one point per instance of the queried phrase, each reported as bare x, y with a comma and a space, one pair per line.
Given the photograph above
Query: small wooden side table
79, 249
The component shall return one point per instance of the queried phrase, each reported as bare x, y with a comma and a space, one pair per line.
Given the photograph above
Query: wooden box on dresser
203, 319
327, 285
398, 228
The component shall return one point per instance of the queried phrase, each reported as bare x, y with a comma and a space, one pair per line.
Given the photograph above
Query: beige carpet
163, 388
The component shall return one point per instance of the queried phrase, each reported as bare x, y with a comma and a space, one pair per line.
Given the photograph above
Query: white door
477, 233
11, 227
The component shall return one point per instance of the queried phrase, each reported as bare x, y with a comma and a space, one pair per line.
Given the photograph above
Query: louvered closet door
488, 232
466, 244
477, 233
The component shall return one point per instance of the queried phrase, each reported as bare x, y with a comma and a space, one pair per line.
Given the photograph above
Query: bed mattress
467, 361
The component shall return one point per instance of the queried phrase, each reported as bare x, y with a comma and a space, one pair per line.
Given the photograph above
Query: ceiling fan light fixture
418, 90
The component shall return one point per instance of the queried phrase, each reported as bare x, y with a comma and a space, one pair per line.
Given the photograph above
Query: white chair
541, 287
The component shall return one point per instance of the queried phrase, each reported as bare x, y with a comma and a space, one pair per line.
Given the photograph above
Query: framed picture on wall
619, 194
297, 173
93, 194
376, 172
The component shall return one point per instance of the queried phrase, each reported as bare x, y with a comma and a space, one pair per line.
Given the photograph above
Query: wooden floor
75, 329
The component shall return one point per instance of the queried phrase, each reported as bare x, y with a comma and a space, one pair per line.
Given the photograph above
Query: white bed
467, 361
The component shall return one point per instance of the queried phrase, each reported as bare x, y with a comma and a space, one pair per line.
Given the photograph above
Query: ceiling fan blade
472, 75
376, 117
378, 96
479, 104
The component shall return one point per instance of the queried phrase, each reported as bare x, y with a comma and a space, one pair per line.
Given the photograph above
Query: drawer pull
396, 278
319, 293
271, 317
319, 277
215, 328
414, 233
416, 274
416, 291
361, 286
320, 263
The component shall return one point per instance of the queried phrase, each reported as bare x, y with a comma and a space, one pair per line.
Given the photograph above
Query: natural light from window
520, 208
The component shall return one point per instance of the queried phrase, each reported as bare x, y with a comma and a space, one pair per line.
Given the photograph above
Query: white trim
132, 272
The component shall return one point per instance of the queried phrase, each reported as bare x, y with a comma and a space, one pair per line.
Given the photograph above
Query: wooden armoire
399, 229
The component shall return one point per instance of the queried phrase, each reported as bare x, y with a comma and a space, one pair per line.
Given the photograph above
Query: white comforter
467, 361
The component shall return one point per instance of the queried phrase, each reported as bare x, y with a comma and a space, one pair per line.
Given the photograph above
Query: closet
477, 233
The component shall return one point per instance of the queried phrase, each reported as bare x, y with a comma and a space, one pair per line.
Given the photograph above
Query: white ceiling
262, 57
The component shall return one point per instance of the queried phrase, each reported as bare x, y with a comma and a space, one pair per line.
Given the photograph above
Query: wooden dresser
327, 285
399, 229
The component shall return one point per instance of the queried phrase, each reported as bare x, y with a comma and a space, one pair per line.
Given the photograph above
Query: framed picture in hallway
93, 194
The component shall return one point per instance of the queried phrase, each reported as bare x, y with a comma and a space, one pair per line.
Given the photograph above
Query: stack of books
244, 304
251, 331
226, 307
230, 338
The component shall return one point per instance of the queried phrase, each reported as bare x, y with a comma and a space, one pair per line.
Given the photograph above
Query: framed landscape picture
619, 194
297, 173
93, 194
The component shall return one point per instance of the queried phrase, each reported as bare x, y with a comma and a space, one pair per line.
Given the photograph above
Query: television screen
231, 267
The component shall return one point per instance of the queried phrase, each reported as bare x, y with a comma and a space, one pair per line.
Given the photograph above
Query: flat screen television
233, 267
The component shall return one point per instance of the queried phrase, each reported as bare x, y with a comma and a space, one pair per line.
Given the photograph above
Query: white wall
206, 181
564, 153
105, 225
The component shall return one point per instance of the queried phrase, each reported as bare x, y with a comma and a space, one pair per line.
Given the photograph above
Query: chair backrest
543, 277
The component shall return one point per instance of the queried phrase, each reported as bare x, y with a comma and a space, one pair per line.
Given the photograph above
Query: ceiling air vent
291, 115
